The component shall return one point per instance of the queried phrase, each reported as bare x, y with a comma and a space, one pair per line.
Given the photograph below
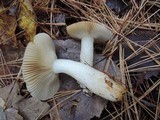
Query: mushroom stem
96, 81
86, 55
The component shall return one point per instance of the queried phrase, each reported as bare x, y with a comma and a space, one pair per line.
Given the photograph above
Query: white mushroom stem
96, 81
86, 55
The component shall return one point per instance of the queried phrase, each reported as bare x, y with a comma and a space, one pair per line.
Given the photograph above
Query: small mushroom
41, 66
89, 32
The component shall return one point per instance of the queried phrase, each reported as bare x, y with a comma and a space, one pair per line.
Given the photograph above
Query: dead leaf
2, 103
6, 95
60, 18
68, 49
118, 6
8, 25
82, 107
9, 113
2, 114
30, 108
27, 19
12, 114
141, 37
6, 3
10, 62
11, 54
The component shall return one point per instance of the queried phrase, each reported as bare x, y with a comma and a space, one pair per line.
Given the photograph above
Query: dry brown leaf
8, 25
27, 19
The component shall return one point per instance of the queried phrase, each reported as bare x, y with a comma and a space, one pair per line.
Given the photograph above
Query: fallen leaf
2, 103
8, 25
6, 3
141, 37
68, 49
27, 19
60, 18
118, 6
12, 114
30, 108
2, 114
7, 93
82, 107
9, 113
11, 53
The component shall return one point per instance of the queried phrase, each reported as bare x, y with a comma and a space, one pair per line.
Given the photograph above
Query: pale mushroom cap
37, 71
99, 32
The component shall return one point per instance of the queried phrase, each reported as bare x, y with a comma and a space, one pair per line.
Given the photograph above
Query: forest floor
132, 60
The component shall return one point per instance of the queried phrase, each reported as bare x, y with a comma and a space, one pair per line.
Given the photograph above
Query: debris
7, 93
8, 25
12, 114
9, 113
27, 19
30, 108
2, 103
82, 107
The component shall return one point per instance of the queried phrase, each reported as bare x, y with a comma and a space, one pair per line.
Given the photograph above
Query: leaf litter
27, 19
8, 25
30, 108
133, 59
6, 98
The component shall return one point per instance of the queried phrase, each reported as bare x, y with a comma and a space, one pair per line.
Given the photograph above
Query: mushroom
89, 32
40, 80
41, 66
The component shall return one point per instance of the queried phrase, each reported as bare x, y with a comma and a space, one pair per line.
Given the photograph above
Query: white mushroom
41, 66
41, 81
89, 32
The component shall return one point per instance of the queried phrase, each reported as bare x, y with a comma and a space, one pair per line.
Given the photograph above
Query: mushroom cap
37, 71
99, 32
